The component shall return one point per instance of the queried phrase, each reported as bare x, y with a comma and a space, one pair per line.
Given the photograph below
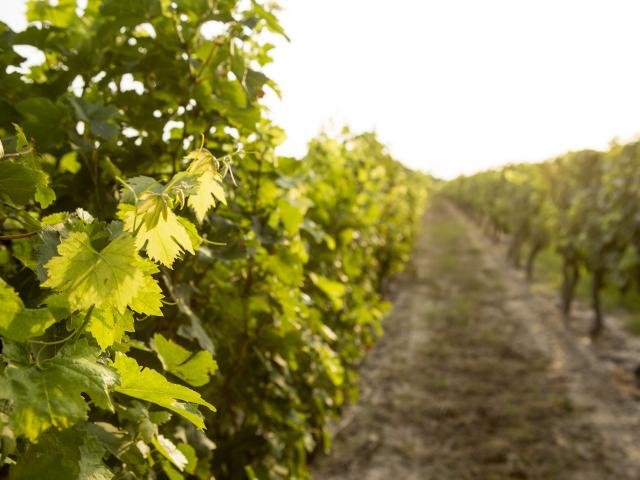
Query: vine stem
18, 236
17, 154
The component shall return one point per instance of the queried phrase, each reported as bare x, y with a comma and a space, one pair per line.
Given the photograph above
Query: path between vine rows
477, 377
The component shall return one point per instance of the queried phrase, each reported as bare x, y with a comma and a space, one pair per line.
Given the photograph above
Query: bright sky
455, 86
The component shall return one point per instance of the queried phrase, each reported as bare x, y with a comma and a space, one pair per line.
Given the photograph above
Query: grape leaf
192, 368
108, 326
209, 189
291, 215
97, 116
17, 322
165, 240
61, 15
137, 186
192, 230
149, 298
70, 454
50, 394
44, 195
147, 384
110, 278
91, 465
331, 362
18, 182
332, 289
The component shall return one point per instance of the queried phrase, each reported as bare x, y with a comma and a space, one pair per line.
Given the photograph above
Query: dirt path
477, 378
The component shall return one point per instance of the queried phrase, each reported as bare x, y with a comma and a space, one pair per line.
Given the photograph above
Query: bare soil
478, 377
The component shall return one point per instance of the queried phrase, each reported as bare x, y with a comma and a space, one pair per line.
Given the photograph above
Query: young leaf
210, 189
210, 186
50, 395
165, 241
147, 384
110, 278
192, 368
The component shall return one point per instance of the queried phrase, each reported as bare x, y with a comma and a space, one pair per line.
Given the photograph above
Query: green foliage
139, 289
49, 393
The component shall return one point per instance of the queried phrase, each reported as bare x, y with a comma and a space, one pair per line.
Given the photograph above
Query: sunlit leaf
147, 384
107, 278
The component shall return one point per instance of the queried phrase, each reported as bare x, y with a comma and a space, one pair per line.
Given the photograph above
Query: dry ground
478, 377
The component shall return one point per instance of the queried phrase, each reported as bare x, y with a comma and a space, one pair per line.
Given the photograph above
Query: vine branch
18, 236
17, 154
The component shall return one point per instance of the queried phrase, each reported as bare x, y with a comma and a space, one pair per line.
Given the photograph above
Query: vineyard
179, 301
583, 205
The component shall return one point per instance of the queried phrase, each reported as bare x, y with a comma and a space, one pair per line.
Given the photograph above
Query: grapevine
176, 300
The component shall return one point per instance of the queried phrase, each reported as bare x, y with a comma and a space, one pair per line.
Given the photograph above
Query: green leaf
17, 322
270, 19
210, 189
147, 384
237, 61
70, 454
61, 15
148, 300
170, 471
136, 186
334, 290
108, 326
18, 183
193, 368
192, 230
50, 394
99, 118
45, 249
69, 163
165, 240
110, 278
291, 216
90, 464
44, 195
190, 454
44, 120
331, 363
131, 13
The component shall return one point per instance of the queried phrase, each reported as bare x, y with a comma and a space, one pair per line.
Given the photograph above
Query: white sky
455, 86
